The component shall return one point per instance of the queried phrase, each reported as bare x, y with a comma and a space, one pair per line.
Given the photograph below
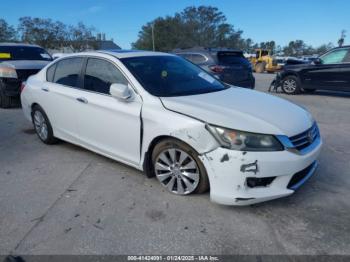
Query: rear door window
100, 74
68, 71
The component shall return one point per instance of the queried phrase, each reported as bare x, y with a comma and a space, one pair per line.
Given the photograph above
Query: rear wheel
42, 126
178, 168
260, 67
291, 85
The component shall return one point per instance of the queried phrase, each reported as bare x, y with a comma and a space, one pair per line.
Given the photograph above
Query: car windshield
23, 53
166, 76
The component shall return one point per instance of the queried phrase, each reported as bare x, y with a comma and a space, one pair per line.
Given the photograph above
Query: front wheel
178, 168
291, 85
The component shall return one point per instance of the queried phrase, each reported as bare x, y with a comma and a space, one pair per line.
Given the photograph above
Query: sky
314, 21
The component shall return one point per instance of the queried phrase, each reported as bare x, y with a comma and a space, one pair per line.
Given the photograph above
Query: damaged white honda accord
161, 114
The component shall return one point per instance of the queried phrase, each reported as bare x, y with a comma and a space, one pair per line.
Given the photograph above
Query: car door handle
45, 89
82, 100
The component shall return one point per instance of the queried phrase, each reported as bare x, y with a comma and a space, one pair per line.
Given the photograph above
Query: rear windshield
171, 76
23, 53
229, 58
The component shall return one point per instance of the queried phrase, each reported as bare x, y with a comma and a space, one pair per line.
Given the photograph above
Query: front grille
298, 177
23, 74
305, 138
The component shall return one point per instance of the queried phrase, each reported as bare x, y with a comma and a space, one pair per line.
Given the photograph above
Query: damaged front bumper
244, 178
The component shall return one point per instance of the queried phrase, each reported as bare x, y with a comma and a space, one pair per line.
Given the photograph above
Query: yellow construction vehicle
264, 61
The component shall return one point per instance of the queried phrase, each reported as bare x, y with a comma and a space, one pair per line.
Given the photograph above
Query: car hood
26, 64
243, 109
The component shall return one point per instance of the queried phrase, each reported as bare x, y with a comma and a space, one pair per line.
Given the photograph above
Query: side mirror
317, 61
120, 91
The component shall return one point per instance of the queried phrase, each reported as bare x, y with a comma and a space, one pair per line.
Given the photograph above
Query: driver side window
100, 74
335, 57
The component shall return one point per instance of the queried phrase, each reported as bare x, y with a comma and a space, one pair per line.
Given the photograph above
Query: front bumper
229, 172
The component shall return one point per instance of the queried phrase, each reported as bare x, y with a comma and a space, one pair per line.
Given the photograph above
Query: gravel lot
63, 199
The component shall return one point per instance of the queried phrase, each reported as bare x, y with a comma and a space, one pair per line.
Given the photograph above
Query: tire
291, 85
5, 101
260, 67
178, 168
42, 126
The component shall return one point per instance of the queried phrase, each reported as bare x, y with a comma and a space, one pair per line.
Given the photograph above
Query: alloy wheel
40, 125
177, 171
289, 85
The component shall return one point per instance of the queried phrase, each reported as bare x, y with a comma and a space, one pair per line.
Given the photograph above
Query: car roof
206, 50
18, 45
120, 53
344, 46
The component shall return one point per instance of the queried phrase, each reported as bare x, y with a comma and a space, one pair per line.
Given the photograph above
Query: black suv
17, 63
331, 71
230, 66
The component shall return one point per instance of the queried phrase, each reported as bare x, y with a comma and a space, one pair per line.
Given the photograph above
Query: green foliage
49, 34
7, 32
44, 32
206, 26
55, 34
299, 48
203, 26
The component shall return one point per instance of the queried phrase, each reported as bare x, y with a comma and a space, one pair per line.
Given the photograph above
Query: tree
295, 48
80, 37
202, 26
54, 34
7, 32
323, 48
270, 45
43, 32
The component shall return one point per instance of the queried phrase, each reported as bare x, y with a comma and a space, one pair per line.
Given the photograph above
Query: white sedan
169, 118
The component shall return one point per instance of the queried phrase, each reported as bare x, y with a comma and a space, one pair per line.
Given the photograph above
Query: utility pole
153, 37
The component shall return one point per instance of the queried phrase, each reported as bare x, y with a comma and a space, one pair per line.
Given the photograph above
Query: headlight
7, 71
244, 141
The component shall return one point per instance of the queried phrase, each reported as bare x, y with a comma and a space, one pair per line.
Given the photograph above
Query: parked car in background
168, 117
17, 63
230, 66
309, 59
331, 71
57, 55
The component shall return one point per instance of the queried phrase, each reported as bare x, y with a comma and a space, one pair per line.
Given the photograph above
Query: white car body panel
244, 109
124, 130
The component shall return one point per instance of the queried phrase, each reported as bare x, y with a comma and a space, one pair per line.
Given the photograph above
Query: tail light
23, 85
217, 68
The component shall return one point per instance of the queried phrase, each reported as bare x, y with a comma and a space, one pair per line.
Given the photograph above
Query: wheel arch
147, 159
34, 104
290, 73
